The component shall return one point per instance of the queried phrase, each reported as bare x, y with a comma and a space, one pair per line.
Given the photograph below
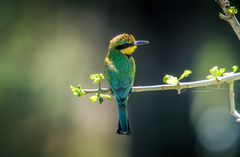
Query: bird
120, 69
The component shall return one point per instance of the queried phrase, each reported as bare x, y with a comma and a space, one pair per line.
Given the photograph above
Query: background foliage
47, 45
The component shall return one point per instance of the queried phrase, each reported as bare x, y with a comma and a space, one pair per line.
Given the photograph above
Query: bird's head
126, 44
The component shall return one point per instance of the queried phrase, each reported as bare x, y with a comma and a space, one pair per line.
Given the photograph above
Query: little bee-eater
120, 72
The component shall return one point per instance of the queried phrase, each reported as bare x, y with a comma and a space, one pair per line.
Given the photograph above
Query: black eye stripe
123, 46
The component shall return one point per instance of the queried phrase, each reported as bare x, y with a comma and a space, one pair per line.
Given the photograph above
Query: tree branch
233, 110
228, 16
178, 87
187, 85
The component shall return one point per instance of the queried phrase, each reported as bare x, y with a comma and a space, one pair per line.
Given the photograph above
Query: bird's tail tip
122, 131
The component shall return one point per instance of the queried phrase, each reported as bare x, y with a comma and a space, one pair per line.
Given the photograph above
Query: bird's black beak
141, 42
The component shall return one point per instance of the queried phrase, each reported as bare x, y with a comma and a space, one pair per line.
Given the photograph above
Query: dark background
45, 46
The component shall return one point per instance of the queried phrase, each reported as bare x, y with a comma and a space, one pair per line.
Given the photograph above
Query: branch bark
178, 87
186, 85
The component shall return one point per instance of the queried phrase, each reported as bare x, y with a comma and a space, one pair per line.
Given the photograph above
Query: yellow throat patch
129, 50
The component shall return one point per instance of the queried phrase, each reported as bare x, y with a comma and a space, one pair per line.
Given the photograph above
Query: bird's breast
121, 79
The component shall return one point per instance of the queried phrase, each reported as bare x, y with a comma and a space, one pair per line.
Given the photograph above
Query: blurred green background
47, 45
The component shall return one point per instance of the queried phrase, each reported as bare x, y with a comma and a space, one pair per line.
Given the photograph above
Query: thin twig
230, 18
178, 87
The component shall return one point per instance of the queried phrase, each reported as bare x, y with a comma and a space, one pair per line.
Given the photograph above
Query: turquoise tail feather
123, 125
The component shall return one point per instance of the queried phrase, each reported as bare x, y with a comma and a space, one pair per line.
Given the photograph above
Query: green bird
120, 71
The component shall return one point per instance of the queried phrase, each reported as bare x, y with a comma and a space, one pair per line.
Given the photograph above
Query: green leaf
234, 68
222, 70
77, 91
101, 76
100, 98
169, 79
106, 96
96, 78
94, 98
232, 10
209, 77
215, 72
186, 73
